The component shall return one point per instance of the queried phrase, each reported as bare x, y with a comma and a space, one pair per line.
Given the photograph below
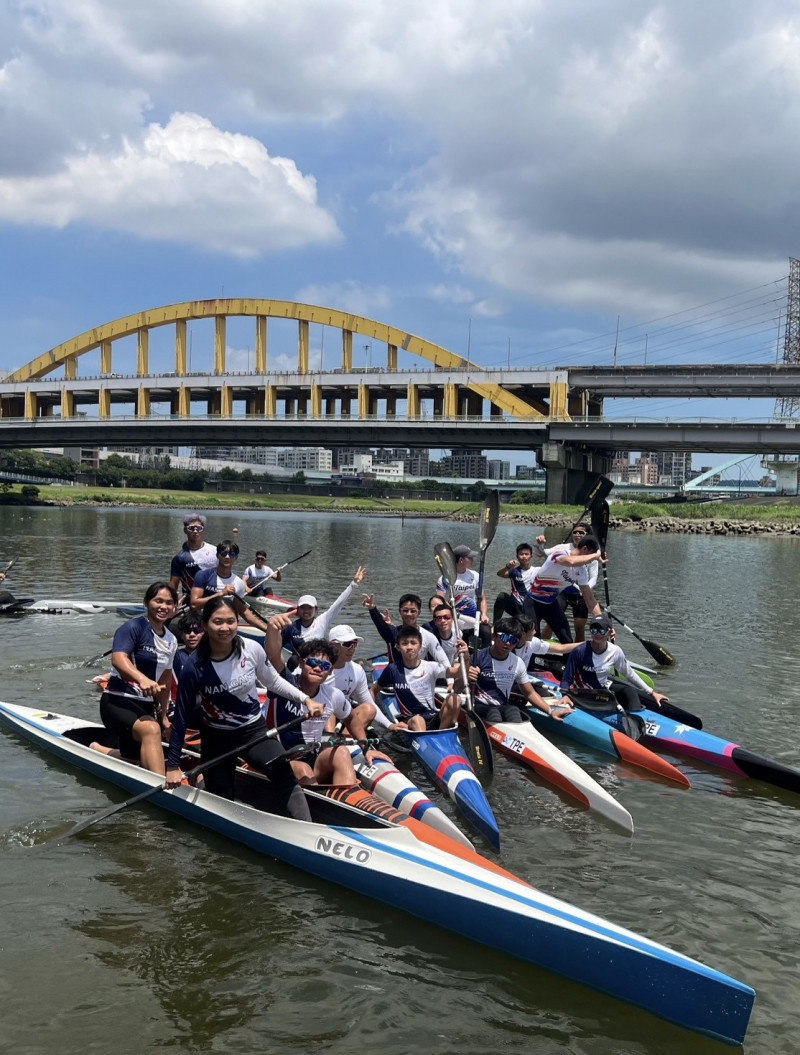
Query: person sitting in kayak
413, 682
310, 623
218, 694
531, 646
410, 605
220, 581
590, 666
349, 678
134, 703
258, 575
560, 571
320, 764
446, 633
496, 671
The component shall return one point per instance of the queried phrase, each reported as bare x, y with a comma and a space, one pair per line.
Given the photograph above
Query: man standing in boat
195, 555
558, 572
413, 682
572, 597
220, 581
496, 671
472, 611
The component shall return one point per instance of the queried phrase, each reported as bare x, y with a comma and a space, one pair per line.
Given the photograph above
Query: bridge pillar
316, 401
67, 404
143, 354
105, 356
391, 357
391, 406
180, 347
302, 346
143, 402
347, 351
220, 343
270, 402
261, 344
330, 407
568, 469
412, 400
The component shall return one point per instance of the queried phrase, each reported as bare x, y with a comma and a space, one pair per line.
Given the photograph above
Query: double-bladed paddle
596, 491
490, 515
600, 521
480, 747
109, 811
262, 582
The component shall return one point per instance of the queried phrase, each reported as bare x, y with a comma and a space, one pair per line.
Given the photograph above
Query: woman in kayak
134, 704
217, 693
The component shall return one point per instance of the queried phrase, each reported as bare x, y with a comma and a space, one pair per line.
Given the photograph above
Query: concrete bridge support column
568, 469
391, 406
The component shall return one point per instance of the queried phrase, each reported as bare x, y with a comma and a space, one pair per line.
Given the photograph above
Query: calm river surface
147, 934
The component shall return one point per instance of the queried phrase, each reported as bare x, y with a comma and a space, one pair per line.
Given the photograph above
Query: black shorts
576, 602
119, 714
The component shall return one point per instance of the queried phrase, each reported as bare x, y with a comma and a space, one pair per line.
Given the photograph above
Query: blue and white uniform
225, 693
258, 579
211, 582
414, 689
431, 646
493, 688
295, 634
150, 653
186, 564
465, 593
545, 588
281, 709
586, 669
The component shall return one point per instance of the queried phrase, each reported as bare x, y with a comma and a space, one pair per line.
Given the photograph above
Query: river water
148, 934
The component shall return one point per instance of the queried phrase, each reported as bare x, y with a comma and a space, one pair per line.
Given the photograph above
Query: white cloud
350, 296
186, 182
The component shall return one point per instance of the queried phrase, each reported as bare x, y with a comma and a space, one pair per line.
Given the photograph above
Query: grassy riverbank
779, 512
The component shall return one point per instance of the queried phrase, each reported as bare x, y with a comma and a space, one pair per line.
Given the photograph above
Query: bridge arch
501, 399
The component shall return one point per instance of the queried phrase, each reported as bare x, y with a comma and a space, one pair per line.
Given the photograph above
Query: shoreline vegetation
780, 518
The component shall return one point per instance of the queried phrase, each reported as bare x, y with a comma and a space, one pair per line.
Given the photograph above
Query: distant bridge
452, 403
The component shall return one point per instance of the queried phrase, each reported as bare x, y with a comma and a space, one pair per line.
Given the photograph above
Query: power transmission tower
789, 406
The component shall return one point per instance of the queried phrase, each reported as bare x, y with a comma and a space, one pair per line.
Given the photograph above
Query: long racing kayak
595, 732
434, 879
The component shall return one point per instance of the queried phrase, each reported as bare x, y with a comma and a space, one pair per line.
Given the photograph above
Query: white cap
307, 598
343, 632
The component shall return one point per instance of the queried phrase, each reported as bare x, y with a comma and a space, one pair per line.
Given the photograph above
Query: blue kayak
441, 753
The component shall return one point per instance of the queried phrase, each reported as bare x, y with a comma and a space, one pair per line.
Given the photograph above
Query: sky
533, 182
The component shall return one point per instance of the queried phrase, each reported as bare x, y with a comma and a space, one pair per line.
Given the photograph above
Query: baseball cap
473, 554
603, 621
307, 598
461, 551
343, 632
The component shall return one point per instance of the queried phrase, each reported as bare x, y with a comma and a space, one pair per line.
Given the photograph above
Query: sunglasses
195, 527
508, 639
597, 631
193, 630
348, 644
442, 618
227, 553
319, 664
579, 534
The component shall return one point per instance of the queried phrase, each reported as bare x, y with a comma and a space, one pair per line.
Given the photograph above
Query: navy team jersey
149, 653
186, 564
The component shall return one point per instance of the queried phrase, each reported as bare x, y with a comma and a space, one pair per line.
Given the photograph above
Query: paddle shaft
277, 571
271, 734
490, 514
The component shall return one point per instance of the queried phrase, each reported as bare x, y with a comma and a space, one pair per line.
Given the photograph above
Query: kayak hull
441, 753
458, 891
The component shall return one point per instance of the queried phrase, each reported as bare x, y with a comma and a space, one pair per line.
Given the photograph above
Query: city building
498, 470
674, 467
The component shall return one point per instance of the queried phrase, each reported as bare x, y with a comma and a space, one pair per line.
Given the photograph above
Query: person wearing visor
310, 622
195, 555
590, 665
497, 670
220, 581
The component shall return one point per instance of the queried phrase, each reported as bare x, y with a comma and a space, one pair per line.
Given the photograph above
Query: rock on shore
663, 525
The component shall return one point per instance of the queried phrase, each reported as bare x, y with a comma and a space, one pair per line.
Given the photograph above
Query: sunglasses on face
193, 631
319, 664
579, 534
195, 527
597, 631
227, 553
442, 618
508, 639
348, 644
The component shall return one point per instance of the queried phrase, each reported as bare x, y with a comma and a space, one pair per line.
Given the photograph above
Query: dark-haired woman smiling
134, 704
217, 690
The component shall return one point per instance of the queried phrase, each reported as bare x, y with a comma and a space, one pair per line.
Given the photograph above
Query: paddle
490, 515
96, 659
262, 582
601, 516
591, 494
658, 652
480, 747
118, 807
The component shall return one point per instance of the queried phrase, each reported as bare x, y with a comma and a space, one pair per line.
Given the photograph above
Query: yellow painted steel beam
261, 344
104, 403
270, 402
143, 403
105, 357
221, 308
184, 401
67, 404
316, 401
412, 400
143, 354
391, 357
559, 401
220, 339
226, 402
71, 367
363, 402
302, 346
180, 347
31, 405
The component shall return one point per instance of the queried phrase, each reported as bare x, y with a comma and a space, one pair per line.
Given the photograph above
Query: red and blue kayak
595, 732
441, 753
